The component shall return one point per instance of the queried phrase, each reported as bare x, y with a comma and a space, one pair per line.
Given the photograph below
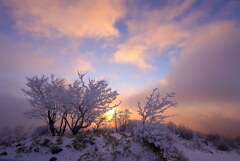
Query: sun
110, 114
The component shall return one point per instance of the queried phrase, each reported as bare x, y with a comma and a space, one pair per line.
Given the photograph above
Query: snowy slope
112, 146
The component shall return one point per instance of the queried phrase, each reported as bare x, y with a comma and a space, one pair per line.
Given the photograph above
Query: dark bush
46, 142
59, 140
22, 149
220, 142
171, 126
53, 159
19, 144
36, 149
56, 150
184, 132
3, 153
68, 146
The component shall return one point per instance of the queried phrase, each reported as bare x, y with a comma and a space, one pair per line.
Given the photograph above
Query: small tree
115, 119
155, 106
99, 121
126, 116
44, 95
120, 118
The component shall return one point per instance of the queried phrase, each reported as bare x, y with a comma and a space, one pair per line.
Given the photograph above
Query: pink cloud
55, 18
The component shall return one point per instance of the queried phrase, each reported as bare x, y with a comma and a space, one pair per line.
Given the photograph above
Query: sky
190, 47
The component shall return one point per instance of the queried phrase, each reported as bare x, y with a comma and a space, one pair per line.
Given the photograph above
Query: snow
109, 145
117, 136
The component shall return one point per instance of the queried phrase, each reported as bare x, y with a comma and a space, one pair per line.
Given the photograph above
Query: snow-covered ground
109, 146
207, 153
197, 155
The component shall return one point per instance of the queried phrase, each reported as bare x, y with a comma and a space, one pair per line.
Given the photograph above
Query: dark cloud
206, 78
208, 69
13, 104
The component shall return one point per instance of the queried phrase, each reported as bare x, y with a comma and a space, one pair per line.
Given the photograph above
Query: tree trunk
144, 119
116, 126
64, 128
52, 128
74, 132
51, 123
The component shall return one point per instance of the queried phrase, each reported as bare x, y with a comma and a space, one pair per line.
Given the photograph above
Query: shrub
184, 132
41, 131
219, 142
6, 137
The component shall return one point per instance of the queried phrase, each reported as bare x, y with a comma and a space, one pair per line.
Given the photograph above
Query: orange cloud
132, 55
208, 117
91, 18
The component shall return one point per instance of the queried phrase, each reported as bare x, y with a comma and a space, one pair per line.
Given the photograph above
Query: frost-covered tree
88, 101
45, 95
155, 106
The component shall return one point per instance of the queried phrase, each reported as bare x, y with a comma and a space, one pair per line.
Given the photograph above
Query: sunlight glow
110, 113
